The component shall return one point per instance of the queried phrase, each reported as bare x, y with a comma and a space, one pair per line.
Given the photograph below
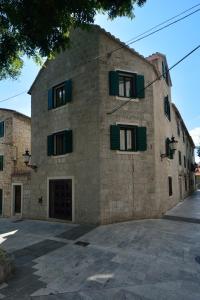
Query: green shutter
50, 145
1, 162
50, 98
140, 89
141, 139
1, 129
169, 153
68, 141
113, 83
114, 137
68, 91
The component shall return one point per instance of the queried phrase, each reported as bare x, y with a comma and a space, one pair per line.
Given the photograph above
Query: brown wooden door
17, 198
60, 199
1, 201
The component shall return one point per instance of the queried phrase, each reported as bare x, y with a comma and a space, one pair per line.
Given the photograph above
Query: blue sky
174, 41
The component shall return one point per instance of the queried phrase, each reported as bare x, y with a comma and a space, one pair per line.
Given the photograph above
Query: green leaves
41, 28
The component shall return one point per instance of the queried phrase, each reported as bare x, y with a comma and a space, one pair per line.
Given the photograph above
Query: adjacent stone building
15, 135
98, 160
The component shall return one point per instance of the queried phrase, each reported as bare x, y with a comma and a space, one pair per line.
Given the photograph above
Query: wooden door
60, 199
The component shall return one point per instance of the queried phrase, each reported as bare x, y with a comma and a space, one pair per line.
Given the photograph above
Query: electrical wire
164, 22
158, 78
149, 34
14, 96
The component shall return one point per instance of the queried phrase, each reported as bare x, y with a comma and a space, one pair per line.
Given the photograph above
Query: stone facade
107, 185
15, 139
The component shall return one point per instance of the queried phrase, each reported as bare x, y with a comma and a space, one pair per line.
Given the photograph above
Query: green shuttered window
127, 85
128, 138
60, 94
1, 129
60, 143
1, 162
168, 151
167, 110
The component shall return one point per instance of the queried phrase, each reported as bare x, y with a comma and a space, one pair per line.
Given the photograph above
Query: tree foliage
39, 28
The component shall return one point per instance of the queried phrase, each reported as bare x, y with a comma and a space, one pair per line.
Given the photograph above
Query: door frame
73, 201
12, 197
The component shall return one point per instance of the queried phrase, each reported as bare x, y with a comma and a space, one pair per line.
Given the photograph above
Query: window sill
127, 152
59, 156
126, 99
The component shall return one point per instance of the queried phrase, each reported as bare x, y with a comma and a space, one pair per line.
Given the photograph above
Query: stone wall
12, 146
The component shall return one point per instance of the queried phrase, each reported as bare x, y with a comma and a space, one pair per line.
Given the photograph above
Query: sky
175, 42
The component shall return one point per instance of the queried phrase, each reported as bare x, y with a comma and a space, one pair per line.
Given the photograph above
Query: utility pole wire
149, 34
152, 82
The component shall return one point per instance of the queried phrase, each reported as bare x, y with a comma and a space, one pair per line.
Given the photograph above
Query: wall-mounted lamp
172, 144
27, 160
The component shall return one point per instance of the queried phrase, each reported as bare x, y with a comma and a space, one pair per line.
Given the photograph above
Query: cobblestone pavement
146, 260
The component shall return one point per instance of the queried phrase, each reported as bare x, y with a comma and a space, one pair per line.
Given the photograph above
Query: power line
152, 82
164, 22
134, 39
14, 96
149, 34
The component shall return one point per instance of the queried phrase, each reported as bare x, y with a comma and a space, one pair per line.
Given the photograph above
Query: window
128, 138
60, 94
169, 153
125, 84
184, 161
178, 128
170, 186
183, 136
165, 72
1, 129
179, 158
59, 143
167, 108
1, 162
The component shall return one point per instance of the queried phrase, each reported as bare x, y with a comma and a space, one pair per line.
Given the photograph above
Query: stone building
96, 164
15, 135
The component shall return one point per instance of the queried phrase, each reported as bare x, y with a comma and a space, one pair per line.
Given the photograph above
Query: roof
109, 35
183, 124
16, 113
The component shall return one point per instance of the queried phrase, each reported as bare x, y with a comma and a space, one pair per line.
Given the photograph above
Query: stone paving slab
186, 211
76, 232
141, 260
